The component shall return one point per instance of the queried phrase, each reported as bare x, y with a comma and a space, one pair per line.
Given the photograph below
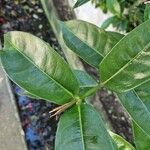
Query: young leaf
142, 140
86, 82
122, 144
127, 64
37, 68
147, 12
87, 40
80, 2
82, 128
84, 79
114, 7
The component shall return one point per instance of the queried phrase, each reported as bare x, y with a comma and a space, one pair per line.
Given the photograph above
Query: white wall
89, 13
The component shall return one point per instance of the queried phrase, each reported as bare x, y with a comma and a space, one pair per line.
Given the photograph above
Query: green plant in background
126, 14
124, 67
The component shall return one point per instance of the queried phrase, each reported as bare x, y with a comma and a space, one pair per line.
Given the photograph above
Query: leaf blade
85, 80
130, 53
37, 68
147, 12
136, 108
69, 133
113, 6
140, 142
87, 40
80, 2
122, 144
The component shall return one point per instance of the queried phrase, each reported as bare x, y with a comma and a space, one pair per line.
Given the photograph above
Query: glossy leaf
37, 68
142, 140
87, 40
147, 12
113, 6
82, 128
80, 2
122, 144
127, 65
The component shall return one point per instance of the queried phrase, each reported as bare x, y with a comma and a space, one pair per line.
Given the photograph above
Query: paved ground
11, 134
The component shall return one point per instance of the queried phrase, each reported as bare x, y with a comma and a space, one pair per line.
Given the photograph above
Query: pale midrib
39, 68
84, 42
81, 126
86, 86
127, 64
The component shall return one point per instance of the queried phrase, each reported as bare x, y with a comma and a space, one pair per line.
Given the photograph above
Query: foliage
122, 61
126, 14
130, 14
80, 2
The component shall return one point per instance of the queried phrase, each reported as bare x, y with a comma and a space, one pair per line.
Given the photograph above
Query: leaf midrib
127, 64
71, 94
81, 126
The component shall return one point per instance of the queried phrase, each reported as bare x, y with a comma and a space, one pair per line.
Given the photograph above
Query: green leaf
37, 68
27, 94
109, 21
142, 140
86, 82
136, 108
127, 65
84, 79
82, 128
112, 40
147, 12
114, 7
87, 40
80, 2
122, 144
137, 103
144, 93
